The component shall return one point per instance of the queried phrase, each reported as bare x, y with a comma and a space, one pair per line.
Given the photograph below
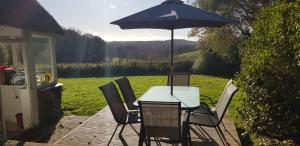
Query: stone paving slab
99, 128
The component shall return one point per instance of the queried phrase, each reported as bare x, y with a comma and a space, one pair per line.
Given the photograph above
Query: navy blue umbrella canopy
170, 15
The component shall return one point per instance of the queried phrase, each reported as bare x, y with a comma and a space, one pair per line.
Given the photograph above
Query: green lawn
81, 96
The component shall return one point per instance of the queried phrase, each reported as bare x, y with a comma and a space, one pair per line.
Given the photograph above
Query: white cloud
112, 6
96, 33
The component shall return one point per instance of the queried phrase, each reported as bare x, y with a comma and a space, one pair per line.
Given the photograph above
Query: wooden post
30, 116
53, 59
172, 61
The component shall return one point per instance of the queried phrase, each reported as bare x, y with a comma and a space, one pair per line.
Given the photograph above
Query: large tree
78, 47
239, 10
226, 41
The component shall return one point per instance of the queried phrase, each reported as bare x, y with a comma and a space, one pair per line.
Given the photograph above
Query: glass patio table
188, 96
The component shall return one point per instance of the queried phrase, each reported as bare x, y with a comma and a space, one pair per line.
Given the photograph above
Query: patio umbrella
170, 15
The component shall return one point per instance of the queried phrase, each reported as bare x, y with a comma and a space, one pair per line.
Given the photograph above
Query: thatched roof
28, 14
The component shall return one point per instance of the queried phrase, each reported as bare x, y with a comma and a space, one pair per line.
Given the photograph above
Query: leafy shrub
270, 73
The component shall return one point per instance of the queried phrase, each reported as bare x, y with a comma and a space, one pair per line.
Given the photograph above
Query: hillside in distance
78, 47
148, 49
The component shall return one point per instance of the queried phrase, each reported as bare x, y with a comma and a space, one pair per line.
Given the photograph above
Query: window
41, 48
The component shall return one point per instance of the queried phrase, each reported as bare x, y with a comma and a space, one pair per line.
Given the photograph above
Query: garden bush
270, 73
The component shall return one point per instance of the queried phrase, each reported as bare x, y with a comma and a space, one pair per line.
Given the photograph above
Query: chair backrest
228, 83
179, 79
127, 92
161, 119
225, 99
114, 102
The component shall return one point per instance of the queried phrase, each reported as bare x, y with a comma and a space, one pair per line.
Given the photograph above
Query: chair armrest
209, 98
204, 109
132, 111
128, 110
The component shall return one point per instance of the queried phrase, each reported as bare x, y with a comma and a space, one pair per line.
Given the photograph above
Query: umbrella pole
172, 54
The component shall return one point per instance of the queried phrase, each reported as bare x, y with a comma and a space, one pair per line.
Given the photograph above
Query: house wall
11, 98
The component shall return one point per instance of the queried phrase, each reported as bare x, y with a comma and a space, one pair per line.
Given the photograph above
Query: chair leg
121, 131
189, 136
224, 127
220, 136
113, 134
134, 130
157, 141
230, 133
148, 141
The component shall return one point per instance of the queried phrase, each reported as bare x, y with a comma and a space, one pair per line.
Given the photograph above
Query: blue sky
94, 16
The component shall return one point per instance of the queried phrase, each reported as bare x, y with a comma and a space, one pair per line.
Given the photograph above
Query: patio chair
160, 120
179, 79
121, 116
213, 117
127, 92
203, 109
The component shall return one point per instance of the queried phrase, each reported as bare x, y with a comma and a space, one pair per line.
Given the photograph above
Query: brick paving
65, 126
98, 129
19, 143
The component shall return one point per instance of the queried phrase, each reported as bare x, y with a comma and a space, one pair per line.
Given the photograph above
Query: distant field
81, 96
192, 56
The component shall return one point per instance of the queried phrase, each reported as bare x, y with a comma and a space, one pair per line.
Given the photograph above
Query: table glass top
187, 95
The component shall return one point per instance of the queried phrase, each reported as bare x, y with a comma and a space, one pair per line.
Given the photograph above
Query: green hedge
123, 69
270, 73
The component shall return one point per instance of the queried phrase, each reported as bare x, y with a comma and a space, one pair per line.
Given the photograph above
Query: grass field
81, 96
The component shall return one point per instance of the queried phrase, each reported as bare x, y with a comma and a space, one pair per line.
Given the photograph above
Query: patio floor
98, 129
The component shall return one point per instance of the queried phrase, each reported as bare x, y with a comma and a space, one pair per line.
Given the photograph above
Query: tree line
76, 47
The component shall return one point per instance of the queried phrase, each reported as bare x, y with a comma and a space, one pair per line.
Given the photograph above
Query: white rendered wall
11, 104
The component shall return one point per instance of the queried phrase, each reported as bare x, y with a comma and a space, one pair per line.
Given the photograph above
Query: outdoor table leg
141, 137
184, 134
187, 128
